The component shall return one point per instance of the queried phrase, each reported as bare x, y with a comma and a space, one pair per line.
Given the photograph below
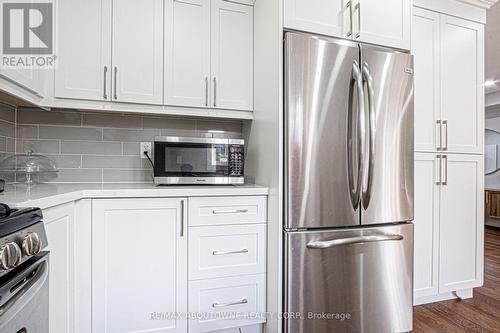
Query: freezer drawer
362, 278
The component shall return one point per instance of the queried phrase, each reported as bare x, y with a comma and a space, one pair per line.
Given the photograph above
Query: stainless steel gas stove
24, 271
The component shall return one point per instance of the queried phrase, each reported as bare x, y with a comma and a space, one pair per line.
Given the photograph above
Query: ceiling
492, 44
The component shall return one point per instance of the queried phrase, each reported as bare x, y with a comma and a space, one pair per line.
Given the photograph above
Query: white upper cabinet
449, 75
461, 223
110, 50
130, 286
84, 50
187, 53
383, 22
462, 76
232, 55
138, 51
326, 17
425, 48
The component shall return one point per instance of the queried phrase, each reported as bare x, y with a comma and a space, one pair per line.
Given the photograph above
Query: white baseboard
462, 294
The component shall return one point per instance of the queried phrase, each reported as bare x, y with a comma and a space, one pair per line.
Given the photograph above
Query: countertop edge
52, 200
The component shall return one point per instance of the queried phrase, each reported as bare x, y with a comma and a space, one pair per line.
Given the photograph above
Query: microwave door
184, 162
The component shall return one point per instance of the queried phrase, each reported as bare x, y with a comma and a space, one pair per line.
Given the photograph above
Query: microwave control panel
236, 160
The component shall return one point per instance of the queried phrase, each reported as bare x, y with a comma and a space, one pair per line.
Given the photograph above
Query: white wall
493, 179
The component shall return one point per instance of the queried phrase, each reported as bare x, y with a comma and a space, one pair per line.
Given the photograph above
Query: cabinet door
60, 228
461, 223
426, 225
425, 48
383, 22
139, 265
84, 50
28, 78
462, 91
326, 17
187, 53
138, 51
232, 55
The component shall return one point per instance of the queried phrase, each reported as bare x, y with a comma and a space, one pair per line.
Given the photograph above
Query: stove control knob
32, 244
10, 256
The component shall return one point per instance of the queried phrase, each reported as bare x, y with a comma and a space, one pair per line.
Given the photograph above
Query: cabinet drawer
223, 251
243, 329
227, 303
227, 210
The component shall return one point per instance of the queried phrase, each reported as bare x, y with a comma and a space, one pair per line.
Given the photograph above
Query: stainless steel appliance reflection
349, 185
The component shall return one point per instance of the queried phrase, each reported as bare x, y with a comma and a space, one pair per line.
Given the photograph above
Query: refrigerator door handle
356, 82
367, 187
325, 244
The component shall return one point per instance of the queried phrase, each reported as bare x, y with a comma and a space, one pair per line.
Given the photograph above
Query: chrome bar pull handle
105, 86
445, 168
356, 85
223, 253
325, 244
438, 170
445, 135
368, 179
349, 4
358, 8
220, 305
439, 130
116, 83
206, 91
232, 211
215, 92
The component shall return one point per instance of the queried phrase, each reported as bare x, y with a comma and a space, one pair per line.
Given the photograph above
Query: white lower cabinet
68, 232
448, 224
121, 265
139, 265
226, 251
59, 225
226, 303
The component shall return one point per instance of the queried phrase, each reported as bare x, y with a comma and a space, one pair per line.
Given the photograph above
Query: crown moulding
480, 3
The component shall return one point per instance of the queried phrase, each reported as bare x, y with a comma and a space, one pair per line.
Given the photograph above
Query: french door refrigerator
348, 236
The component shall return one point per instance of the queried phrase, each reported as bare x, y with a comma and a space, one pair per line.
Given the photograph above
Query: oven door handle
26, 285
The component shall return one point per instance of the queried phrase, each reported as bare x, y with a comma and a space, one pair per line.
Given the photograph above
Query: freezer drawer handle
220, 305
222, 253
353, 240
234, 211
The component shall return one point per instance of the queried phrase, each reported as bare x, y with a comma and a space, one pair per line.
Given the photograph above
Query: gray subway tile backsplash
38, 116
70, 133
94, 146
129, 135
111, 120
127, 176
38, 146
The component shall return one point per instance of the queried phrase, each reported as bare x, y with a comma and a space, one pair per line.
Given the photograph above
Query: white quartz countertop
49, 195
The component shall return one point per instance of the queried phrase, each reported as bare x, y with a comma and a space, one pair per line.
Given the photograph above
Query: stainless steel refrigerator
348, 236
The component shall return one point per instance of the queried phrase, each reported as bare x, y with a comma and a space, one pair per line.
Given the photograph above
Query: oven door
24, 297
191, 160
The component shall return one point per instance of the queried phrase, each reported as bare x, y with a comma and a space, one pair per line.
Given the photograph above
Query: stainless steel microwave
180, 160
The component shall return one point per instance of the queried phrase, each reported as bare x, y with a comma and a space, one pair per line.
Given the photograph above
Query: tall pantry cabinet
449, 131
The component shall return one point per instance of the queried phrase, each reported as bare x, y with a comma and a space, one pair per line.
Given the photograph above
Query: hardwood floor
478, 314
